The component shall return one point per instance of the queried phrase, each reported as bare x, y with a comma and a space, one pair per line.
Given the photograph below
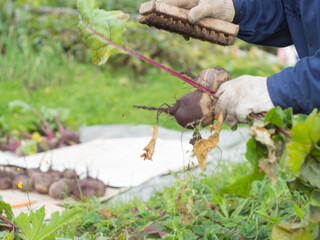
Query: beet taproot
197, 107
61, 188
69, 173
89, 188
42, 182
5, 183
24, 183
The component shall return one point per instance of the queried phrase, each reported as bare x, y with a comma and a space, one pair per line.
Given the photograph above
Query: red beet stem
158, 65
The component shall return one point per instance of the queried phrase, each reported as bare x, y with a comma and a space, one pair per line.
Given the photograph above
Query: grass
192, 208
94, 95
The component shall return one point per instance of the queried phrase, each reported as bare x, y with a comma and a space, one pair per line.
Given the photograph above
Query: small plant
48, 132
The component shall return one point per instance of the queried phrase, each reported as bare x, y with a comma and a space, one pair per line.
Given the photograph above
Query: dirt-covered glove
242, 96
221, 9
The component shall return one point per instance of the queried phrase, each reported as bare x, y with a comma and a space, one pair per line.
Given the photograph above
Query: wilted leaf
263, 136
151, 145
204, 146
98, 26
151, 229
269, 168
218, 125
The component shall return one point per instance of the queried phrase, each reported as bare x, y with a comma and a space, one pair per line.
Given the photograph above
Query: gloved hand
220, 9
241, 96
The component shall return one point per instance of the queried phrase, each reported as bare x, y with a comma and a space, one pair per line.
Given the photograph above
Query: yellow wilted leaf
151, 145
217, 126
269, 168
204, 146
263, 136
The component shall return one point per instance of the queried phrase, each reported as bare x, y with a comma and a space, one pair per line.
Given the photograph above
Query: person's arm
262, 22
297, 87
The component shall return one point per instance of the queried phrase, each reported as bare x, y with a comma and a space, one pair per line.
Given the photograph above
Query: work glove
220, 9
241, 96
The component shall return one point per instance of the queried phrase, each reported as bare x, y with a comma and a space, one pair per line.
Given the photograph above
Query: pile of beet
58, 185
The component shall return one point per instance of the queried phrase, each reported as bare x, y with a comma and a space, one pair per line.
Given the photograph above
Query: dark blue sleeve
262, 22
297, 87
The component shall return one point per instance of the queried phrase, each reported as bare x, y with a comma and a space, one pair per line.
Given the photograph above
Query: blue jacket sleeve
297, 87
262, 22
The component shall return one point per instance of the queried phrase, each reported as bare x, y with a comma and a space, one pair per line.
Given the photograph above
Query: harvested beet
89, 188
32, 171
23, 183
61, 188
197, 107
7, 174
55, 174
71, 138
5, 183
42, 182
70, 174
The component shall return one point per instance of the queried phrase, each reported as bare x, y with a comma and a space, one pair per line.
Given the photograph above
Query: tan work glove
221, 9
242, 96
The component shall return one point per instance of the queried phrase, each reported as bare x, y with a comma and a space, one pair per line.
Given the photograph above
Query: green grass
193, 209
94, 95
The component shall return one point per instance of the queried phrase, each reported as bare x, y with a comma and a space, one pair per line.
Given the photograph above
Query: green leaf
300, 133
298, 211
315, 198
252, 154
19, 105
6, 208
302, 186
29, 148
255, 151
34, 227
313, 126
188, 234
310, 172
288, 117
3, 124
10, 236
275, 116
95, 23
242, 186
296, 154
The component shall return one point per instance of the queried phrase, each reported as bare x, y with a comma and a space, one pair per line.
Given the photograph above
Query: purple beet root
197, 107
5, 183
89, 188
61, 188
42, 182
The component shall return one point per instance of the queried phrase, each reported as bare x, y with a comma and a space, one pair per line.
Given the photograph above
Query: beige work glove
242, 96
221, 9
